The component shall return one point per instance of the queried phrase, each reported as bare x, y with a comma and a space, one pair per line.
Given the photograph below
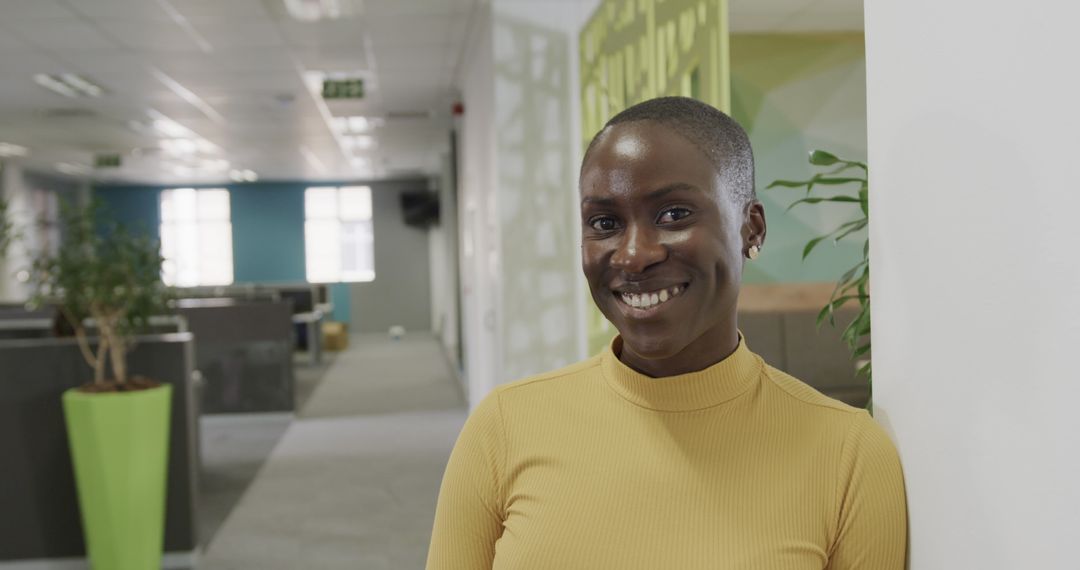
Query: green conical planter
119, 446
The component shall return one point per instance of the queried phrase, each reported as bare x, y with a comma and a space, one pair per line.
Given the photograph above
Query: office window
339, 237
196, 237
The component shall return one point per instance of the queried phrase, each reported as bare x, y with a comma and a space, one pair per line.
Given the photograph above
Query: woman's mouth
646, 300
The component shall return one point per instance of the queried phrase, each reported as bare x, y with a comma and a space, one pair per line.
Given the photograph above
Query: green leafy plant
840, 177
105, 273
7, 229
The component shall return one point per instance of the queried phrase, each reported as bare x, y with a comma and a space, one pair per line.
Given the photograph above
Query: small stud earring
753, 252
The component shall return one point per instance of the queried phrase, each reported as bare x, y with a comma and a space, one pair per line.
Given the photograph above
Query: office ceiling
202, 91
228, 76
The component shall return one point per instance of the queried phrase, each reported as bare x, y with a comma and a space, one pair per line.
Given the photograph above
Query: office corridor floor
353, 481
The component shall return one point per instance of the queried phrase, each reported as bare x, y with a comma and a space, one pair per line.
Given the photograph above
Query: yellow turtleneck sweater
738, 466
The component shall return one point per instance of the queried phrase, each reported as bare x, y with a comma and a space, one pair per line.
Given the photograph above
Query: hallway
353, 481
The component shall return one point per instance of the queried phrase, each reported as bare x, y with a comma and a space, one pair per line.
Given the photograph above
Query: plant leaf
788, 183
817, 200
834, 180
810, 245
860, 224
823, 158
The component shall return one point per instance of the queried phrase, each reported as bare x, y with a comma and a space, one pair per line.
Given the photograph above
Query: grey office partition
39, 513
244, 352
791, 341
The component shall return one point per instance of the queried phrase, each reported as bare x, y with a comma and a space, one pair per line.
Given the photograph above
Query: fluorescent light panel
73, 169
245, 175
314, 10
69, 85
10, 149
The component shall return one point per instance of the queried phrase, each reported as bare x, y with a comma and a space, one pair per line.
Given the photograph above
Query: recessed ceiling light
55, 85
69, 85
315, 10
9, 149
243, 175
178, 146
72, 168
358, 142
82, 84
170, 128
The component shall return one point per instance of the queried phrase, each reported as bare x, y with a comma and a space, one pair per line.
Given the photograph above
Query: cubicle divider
780, 324
243, 352
39, 513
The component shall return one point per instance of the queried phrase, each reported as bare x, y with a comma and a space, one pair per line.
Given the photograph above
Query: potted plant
842, 176
106, 277
7, 230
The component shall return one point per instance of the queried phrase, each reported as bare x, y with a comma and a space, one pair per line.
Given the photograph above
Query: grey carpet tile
353, 482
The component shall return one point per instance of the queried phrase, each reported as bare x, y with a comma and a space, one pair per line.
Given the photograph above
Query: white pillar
974, 137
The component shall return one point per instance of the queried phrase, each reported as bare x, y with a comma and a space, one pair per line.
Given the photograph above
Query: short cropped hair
717, 135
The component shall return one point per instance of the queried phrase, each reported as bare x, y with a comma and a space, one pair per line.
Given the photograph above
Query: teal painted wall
268, 230
134, 206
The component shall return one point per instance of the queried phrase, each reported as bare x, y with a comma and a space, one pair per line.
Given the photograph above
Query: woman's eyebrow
665, 190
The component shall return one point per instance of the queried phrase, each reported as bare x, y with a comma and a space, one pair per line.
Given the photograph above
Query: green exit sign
107, 161
343, 89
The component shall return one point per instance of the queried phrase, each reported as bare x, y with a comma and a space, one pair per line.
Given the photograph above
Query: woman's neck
708, 349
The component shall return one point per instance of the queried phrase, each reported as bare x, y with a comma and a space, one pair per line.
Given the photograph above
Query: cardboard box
335, 336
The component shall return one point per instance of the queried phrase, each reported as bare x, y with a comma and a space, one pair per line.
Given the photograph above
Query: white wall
973, 142
477, 212
523, 295
34, 208
443, 244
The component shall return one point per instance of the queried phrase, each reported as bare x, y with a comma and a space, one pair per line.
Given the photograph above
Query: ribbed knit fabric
738, 466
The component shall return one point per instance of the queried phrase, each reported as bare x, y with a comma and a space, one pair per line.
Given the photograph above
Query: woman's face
662, 246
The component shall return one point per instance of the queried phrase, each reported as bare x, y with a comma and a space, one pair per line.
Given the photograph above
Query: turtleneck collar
697, 390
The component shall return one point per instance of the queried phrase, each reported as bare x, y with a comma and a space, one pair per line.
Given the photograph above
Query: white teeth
646, 300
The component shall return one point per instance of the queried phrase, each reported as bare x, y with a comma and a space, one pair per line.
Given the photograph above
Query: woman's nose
638, 250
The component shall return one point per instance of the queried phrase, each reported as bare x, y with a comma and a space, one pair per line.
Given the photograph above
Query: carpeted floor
353, 481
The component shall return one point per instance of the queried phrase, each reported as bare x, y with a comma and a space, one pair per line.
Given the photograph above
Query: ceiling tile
410, 58
245, 33
335, 59
163, 36
233, 59
320, 34
232, 9
376, 8
141, 11
64, 33
18, 10
416, 30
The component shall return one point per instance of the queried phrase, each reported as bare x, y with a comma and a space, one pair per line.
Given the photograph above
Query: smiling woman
676, 447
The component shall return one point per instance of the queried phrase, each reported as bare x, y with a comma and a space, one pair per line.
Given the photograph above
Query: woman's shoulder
553, 378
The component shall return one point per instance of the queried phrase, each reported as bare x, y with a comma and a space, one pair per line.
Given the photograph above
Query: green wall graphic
634, 50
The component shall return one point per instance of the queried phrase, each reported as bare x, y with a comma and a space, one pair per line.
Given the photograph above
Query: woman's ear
754, 227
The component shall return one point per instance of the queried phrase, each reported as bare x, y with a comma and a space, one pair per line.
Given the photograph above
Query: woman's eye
603, 224
673, 215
